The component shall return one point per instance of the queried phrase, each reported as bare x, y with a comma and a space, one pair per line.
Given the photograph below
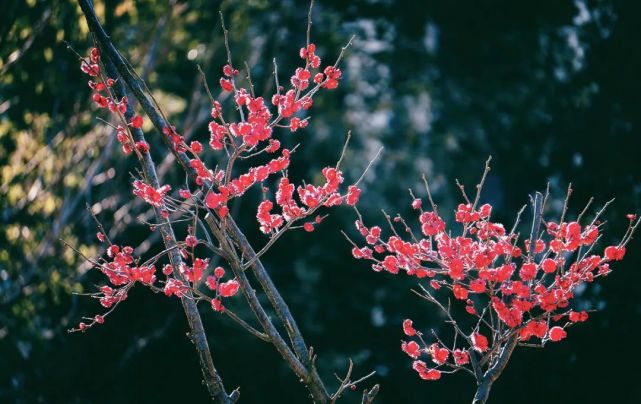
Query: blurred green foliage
550, 89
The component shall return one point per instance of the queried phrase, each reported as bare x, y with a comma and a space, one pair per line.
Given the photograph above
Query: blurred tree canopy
550, 89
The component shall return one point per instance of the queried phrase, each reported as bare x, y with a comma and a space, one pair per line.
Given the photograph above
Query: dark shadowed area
550, 89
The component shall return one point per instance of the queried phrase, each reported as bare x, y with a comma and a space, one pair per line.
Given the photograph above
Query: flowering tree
515, 292
497, 289
243, 129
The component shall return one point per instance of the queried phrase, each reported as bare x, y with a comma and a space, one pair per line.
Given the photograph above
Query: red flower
101, 101
557, 334
424, 372
196, 146
485, 210
548, 265
469, 308
528, 271
268, 221
460, 292
390, 263
211, 282
142, 147
214, 200
219, 272
479, 342
353, 194
136, 121
411, 348
174, 287
408, 329
149, 194
477, 286
431, 374
456, 269
461, 357
112, 250
577, 317
91, 69
439, 355
217, 305
226, 85
94, 55
431, 223
229, 288
614, 253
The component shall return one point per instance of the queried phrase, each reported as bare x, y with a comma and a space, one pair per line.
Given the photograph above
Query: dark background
550, 89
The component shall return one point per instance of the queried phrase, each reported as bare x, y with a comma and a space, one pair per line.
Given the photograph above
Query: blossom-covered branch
203, 201
506, 291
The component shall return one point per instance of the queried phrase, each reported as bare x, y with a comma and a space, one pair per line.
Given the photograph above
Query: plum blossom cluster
103, 98
123, 271
504, 289
311, 198
250, 136
253, 135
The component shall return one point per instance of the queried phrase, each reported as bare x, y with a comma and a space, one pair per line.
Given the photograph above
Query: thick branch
277, 301
493, 373
483, 390
536, 222
254, 303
